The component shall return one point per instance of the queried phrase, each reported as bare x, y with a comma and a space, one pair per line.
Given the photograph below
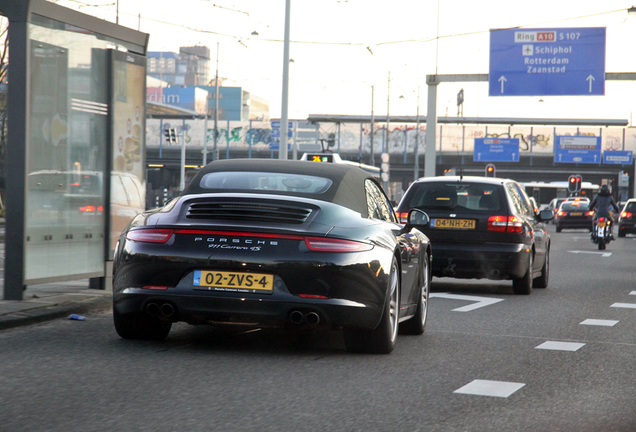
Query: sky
341, 49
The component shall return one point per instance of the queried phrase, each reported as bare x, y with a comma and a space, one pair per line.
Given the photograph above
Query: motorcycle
601, 231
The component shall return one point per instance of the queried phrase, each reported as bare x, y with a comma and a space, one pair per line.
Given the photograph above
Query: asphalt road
523, 363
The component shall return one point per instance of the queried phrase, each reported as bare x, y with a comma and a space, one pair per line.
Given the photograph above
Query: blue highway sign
577, 149
496, 150
276, 124
617, 157
547, 62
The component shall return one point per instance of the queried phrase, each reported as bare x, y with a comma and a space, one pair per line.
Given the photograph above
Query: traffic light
171, 135
575, 183
572, 184
491, 171
384, 167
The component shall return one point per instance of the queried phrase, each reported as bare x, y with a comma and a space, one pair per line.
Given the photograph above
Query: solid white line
624, 305
481, 301
598, 322
560, 346
632, 293
490, 388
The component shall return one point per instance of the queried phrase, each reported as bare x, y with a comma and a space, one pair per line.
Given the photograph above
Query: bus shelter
75, 157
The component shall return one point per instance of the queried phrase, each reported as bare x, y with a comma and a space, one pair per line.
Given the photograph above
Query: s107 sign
547, 62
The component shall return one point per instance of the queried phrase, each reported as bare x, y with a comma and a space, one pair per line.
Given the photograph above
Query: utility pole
416, 168
372, 157
388, 117
216, 106
284, 116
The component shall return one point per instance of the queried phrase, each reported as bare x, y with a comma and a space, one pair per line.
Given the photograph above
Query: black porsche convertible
275, 243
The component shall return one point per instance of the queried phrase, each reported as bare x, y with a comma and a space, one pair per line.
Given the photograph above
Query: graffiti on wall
352, 137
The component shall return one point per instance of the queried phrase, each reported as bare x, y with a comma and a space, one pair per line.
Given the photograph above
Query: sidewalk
51, 301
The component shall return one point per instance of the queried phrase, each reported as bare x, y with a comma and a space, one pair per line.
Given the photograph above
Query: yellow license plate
453, 223
242, 282
576, 214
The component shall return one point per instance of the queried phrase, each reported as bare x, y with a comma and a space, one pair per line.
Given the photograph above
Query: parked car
627, 219
275, 243
482, 228
574, 214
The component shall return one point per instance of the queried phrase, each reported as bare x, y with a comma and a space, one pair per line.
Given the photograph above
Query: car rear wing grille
248, 212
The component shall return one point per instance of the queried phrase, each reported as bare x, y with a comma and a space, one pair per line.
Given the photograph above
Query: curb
40, 315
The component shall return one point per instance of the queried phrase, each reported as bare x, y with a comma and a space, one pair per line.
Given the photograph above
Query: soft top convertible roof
347, 189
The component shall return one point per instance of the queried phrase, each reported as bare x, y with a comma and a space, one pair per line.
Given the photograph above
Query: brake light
590, 213
403, 217
626, 215
601, 219
320, 244
508, 224
150, 235
91, 209
561, 213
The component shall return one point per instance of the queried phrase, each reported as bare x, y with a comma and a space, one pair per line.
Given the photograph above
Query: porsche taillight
507, 224
321, 244
152, 235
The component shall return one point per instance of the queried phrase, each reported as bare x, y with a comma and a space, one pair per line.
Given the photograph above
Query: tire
380, 340
621, 233
417, 324
523, 285
601, 244
559, 229
542, 281
140, 326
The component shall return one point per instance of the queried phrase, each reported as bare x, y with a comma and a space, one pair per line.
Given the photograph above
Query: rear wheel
140, 326
382, 339
559, 229
601, 243
523, 285
417, 324
542, 281
621, 233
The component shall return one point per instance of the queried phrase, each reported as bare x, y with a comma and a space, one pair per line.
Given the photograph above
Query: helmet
605, 189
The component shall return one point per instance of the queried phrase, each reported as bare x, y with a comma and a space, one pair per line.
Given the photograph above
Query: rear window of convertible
265, 181
458, 197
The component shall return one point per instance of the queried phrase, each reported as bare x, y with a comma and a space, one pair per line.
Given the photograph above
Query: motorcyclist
603, 203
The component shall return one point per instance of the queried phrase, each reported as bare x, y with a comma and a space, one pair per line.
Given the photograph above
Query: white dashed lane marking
632, 293
624, 305
560, 346
598, 322
480, 301
490, 388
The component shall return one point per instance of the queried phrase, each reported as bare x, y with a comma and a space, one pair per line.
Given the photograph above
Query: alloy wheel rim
425, 290
393, 303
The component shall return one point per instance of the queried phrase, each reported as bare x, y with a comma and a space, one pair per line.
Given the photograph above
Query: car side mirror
416, 219
546, 215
